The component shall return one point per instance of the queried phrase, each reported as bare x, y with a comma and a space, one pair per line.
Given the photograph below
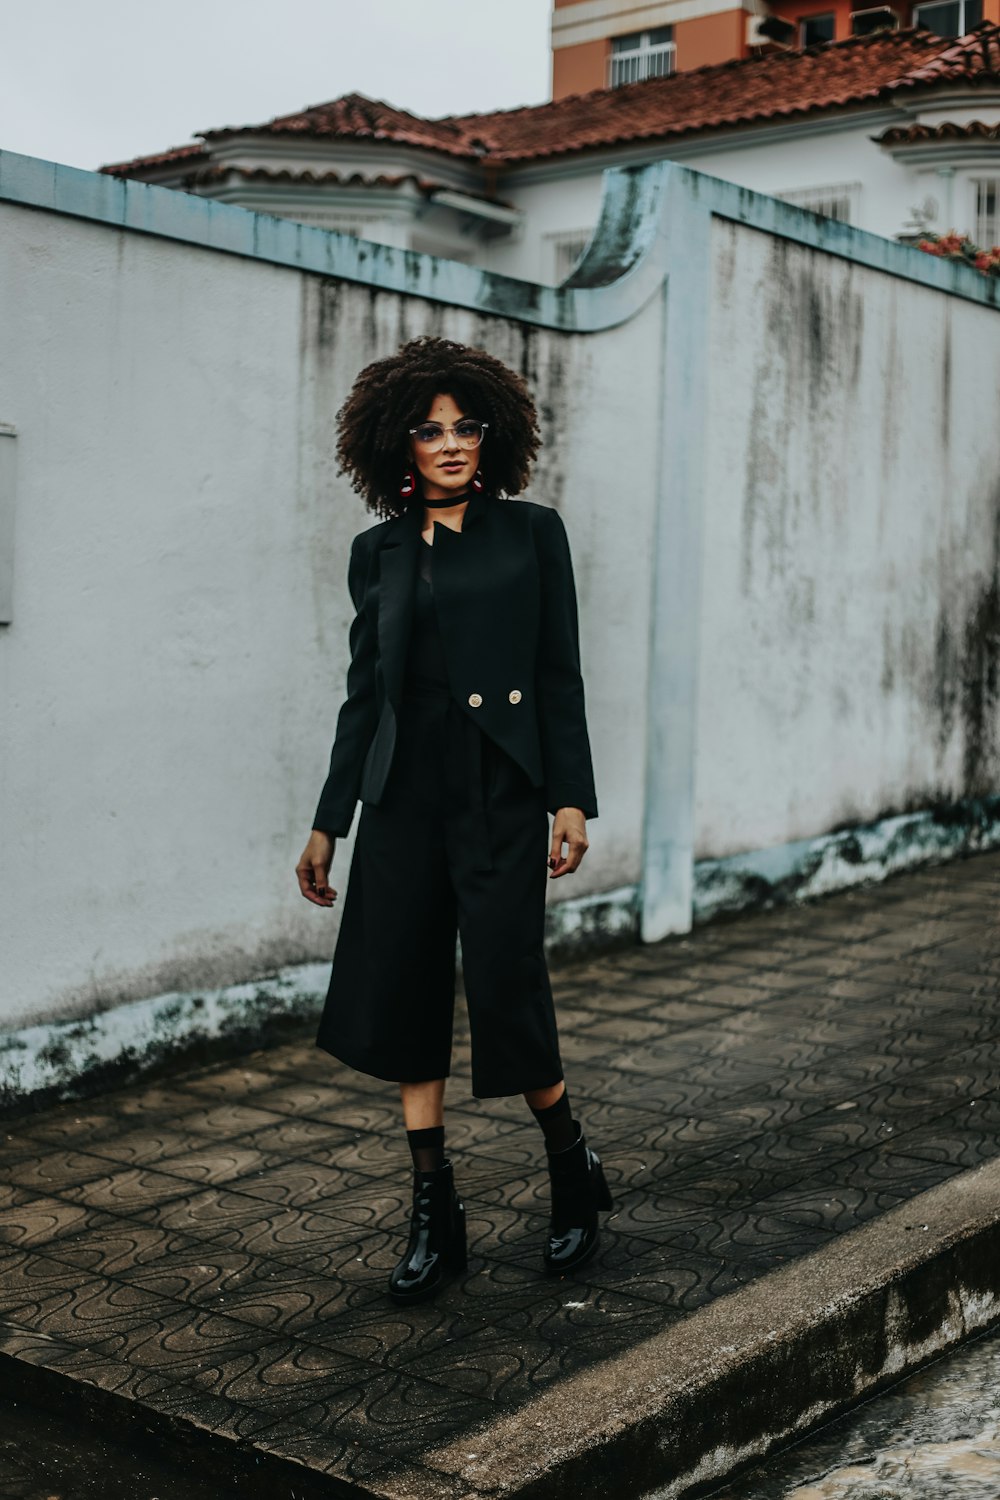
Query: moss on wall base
40, 1065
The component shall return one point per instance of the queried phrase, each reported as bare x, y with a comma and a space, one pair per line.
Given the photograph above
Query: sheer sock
557, 1123
427, 1147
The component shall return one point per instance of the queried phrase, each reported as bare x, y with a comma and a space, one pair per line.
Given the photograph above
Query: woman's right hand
313, 869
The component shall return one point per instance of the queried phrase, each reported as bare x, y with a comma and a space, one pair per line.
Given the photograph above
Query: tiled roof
193, 152
972, 58
218, 172
973, 130
771, 85
213, 172
359, 118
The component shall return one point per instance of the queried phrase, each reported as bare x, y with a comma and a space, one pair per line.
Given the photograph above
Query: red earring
408, 485
477, 481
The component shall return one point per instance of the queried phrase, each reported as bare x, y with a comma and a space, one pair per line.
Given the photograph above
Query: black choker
452, 500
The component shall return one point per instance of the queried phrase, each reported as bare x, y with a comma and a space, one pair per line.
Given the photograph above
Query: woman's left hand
569, 826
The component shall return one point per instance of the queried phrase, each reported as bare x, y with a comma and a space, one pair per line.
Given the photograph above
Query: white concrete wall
564, 198
557, 205
771, 439
178, 649
851, 620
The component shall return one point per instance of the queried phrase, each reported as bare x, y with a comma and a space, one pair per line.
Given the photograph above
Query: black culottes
458, 842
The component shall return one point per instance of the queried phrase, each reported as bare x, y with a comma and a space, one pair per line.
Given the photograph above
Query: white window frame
986, 208
562, 251
822, 15
636, 65
928, 4
822, 200
871, 10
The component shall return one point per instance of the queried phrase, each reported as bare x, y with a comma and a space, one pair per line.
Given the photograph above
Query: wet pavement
935, 1436
213, 1249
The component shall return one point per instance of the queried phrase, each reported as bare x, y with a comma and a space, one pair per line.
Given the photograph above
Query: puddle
934, 1437
964, 1465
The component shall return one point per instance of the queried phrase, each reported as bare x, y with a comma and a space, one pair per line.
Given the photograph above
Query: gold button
475, 699
514, 695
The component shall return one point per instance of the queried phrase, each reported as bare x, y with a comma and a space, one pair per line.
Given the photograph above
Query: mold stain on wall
811, 324
980, 701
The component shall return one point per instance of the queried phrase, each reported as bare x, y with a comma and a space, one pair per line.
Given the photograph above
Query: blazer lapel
397, 582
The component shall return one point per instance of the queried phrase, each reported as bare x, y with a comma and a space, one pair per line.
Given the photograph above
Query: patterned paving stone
215, 1248
38, 1221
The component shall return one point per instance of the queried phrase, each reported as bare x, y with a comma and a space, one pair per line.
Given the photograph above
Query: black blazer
506, 603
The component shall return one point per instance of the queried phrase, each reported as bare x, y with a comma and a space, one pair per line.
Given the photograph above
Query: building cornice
368, 157
576, 25
701, 144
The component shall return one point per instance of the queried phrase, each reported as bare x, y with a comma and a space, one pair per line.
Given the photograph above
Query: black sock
557, 1122
427, 1147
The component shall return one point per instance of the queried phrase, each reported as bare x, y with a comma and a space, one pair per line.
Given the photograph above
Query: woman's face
449, 470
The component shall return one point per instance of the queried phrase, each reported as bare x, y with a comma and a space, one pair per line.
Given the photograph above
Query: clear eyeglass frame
436, 443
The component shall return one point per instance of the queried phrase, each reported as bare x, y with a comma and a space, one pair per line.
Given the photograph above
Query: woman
463, 725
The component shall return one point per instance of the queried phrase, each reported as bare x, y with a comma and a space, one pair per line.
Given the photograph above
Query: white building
890, 131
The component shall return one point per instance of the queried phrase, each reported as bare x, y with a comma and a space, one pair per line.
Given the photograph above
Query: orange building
598, 44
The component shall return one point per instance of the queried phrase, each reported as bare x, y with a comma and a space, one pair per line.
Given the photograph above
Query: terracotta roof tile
768, 86
974, 57
947, 130
359, 118
218, 172
193, 152
771, 85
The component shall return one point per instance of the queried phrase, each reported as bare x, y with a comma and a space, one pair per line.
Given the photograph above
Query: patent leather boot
436, 1248
579, 1190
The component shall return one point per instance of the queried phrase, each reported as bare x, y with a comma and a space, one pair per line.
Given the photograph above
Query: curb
683, 1411
671, 1418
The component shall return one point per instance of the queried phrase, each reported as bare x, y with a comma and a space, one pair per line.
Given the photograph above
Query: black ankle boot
437, 1237
578, 1191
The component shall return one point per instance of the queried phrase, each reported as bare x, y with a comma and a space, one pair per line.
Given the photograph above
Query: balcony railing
648, 62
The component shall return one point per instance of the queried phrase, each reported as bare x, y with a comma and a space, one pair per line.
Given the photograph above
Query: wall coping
626, 262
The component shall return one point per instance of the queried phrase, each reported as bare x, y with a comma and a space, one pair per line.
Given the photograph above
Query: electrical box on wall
8, 458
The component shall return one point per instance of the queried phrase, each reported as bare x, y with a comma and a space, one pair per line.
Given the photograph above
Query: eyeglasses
430, 436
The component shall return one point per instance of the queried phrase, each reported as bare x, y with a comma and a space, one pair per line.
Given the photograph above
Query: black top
426, 667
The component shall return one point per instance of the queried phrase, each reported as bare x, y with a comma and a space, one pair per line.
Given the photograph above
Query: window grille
565, 250
949, 17
838, 201
987, 212
642, 54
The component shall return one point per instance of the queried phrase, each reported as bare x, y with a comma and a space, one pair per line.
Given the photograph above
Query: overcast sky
101, 82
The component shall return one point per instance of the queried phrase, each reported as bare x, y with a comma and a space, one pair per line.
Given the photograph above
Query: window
838, 201
563, 252
358, 225
949, 17
879, 18
987, 212
642, 54
813, 29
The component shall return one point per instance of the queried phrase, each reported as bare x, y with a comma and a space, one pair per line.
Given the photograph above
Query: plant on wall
955, 246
